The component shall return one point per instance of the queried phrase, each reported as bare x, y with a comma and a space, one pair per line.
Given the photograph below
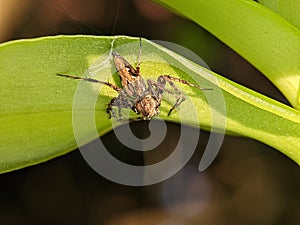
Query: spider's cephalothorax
143, 97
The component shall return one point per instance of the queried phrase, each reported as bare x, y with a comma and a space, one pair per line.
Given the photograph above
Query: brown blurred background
249, 182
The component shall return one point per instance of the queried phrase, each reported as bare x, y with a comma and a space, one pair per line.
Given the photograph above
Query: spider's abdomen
147, 107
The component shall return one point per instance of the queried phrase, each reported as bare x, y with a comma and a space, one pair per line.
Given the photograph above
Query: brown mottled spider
142, 96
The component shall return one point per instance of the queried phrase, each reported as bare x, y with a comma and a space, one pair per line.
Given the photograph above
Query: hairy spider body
139, 97
143, 97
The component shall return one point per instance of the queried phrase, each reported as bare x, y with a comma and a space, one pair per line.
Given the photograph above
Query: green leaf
37, 107
261, 36
288, 9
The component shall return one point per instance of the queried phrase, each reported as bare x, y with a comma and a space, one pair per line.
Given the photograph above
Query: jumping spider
142, 96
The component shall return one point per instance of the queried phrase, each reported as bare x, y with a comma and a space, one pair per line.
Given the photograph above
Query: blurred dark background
248, 183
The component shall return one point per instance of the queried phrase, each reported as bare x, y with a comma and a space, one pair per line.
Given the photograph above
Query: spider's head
147, 107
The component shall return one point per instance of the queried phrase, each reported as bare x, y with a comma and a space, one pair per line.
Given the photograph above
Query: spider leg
154, 89
162, 80
120, 112
170, 78
111, 112
138, 66
109, 109
179, 100
92, 80
117, 104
